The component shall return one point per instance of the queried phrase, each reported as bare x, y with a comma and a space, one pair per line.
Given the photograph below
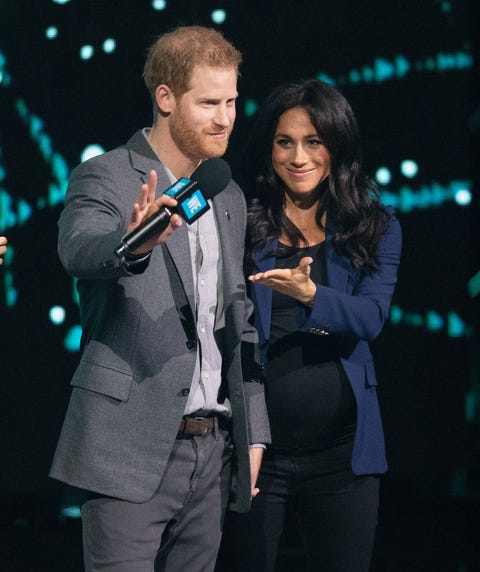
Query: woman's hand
294, 282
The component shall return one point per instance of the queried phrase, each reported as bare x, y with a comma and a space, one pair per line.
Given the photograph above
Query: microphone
208, 179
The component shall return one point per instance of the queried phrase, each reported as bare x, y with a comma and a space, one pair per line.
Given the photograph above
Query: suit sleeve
362, 313
252, 372
94, 219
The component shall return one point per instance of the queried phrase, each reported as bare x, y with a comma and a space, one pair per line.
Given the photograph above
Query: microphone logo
192, 205
191, 202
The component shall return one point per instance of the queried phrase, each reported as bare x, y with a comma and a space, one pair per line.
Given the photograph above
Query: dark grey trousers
178, 529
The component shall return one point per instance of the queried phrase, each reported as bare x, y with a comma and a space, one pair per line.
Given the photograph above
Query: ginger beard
204, 143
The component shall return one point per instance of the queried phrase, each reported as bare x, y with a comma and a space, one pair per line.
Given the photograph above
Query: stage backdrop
71, 86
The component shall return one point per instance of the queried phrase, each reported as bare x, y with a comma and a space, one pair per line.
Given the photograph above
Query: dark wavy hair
348, 196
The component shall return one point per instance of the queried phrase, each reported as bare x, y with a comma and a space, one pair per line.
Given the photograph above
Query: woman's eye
314, 142
283, 142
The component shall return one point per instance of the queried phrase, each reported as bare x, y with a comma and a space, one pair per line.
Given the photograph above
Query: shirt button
185, 392
202, 329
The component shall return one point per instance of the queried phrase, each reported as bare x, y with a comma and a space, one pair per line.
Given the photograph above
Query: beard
196, 144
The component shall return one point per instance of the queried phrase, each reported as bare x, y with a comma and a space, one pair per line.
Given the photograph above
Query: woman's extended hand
294, 282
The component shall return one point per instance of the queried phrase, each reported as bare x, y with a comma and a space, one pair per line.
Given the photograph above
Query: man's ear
165, 99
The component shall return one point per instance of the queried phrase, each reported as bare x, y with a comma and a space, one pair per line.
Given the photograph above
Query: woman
323, 264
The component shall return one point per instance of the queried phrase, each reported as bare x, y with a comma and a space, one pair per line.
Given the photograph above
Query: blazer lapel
143, 160
262, 295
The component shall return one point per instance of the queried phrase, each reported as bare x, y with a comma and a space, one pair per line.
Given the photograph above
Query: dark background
429, 379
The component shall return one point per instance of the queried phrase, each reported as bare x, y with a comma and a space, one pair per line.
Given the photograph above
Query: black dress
309, 399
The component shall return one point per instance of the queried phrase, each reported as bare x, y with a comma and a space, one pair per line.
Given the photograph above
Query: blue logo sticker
194, 205
177, 187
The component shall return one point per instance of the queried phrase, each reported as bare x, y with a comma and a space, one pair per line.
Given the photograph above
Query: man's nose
223, 116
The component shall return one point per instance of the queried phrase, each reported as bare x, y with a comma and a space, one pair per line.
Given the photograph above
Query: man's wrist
137, 256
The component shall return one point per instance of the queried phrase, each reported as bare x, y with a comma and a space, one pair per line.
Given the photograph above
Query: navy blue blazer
353, 308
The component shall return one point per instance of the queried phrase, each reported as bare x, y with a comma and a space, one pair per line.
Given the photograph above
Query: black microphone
208, 179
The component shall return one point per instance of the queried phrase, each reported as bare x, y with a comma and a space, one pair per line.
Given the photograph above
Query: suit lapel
262, 295
143, 160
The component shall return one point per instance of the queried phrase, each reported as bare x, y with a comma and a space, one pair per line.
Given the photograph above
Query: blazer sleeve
95, 217
252, 372
361, 313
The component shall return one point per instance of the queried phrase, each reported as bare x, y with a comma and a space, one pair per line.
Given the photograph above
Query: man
159, 396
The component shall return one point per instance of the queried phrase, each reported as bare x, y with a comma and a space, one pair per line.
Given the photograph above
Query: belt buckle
204, 425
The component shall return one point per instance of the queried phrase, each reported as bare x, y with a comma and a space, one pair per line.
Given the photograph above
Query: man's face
203, 117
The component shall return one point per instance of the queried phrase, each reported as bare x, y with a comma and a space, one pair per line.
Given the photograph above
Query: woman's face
299, 157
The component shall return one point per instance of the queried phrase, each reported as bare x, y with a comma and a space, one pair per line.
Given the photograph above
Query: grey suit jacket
131, 385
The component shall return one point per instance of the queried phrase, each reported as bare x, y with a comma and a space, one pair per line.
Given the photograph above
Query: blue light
455, 325
250, 107
396, 314
463, 197
70, 511
86, 52
219, 16
368, 75
471, 405
109, 45
24, 211
57, 315
413, 319
159, 4
452, 324
445, 61
326, 78
355, 76
9, 255
60, 1
383, 176
91, 151
402, 66
72, 339
51, 32
14, 210
435, 321
382, 69
409, 168
446, 7
473, 285
11, 294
